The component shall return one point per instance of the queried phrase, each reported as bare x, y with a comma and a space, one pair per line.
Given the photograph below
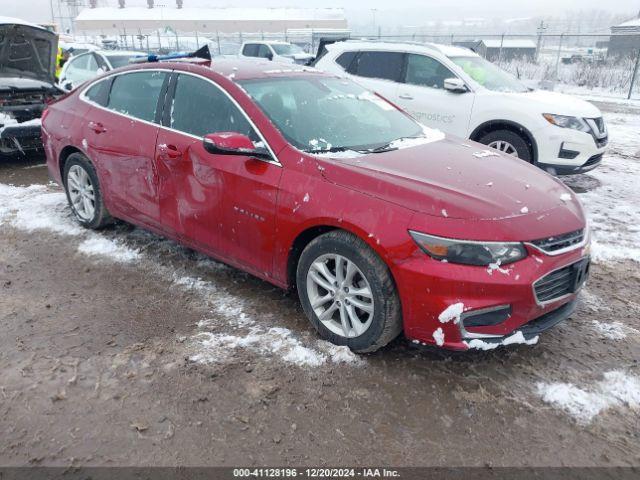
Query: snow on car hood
557, 103
37, 49
453, 179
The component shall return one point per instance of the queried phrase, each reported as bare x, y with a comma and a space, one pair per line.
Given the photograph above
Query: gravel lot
121, 348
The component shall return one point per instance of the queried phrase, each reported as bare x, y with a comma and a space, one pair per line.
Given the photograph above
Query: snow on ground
98, 246
611, 196
37, 207
618, 388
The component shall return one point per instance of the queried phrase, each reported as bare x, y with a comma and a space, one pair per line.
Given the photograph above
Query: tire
76, 166
519, 143
369, 330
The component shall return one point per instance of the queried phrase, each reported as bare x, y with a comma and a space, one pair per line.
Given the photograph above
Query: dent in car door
422, 94
225, 204
122, 139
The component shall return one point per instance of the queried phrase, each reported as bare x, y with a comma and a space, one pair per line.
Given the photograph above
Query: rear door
422, 94
120, 135
224, 204
379, 71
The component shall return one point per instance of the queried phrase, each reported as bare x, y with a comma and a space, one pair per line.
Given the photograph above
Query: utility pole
541, 28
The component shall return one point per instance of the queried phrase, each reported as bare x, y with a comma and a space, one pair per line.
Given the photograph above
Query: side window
345, 59
99, 93
200, 108
385, 65
137, 94
264, 51
92, 64
250, 50
426, 71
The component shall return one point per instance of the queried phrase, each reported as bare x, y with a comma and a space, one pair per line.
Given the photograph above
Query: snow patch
110, 249
617, 389
514, 339
452, 312
438, 336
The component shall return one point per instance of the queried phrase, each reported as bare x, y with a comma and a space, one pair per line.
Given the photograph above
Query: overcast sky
40, 10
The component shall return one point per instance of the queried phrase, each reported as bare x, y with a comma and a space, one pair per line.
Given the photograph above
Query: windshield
286, 49
318, 114
488, 75
118, 61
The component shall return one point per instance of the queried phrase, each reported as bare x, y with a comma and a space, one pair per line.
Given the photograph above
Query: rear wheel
347, 292
83, 192
508, 142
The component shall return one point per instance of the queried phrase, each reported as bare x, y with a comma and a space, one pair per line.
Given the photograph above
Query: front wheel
348, 293
508, 142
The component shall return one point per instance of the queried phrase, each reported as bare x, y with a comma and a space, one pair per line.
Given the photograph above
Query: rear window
136, 94
99, 93
385, 65
345, 59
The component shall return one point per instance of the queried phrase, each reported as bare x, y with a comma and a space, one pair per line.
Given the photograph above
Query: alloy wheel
81, 193
340, 295
503, 146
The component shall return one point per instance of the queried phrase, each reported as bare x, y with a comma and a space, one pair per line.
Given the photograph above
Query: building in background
507, 49
625, 39
138, 20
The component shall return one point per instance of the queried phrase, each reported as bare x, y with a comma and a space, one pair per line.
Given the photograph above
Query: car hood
557, 103
28, 52
453, 179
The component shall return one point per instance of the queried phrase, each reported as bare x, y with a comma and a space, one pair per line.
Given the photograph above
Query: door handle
406, 96
97, 127
169, 151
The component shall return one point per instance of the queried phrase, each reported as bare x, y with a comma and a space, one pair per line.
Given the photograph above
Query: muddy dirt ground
155, 359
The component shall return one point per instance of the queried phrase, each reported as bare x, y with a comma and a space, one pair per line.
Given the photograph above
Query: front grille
559, 242
593, 160
598, 130
564, 281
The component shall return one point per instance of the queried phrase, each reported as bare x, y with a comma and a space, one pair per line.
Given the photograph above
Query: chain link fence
599, 65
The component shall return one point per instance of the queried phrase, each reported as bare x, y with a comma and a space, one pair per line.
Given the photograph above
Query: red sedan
309, 181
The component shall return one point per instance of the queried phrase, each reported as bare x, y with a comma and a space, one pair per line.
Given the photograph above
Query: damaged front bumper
21, 138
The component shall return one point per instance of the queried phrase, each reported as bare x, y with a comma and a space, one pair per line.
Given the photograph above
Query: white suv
275, 50
461, 93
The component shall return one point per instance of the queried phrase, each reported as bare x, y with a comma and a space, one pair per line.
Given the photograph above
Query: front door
422, 94
224, 204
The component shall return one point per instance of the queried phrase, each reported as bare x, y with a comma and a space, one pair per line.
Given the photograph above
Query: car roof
244, 68
413, 47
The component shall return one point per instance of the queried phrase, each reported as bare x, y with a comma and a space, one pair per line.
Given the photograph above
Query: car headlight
564, 121
469, 252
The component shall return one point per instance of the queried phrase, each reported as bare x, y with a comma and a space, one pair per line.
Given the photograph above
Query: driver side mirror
233, 143
455, 85
269, 56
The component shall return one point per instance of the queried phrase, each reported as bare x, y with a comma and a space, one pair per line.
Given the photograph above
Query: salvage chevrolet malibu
309, 181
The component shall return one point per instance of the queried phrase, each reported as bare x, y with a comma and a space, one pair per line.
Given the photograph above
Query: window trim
166, 103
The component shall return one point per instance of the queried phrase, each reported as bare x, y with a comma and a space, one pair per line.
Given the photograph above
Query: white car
457, 91
80, 68
276, 50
